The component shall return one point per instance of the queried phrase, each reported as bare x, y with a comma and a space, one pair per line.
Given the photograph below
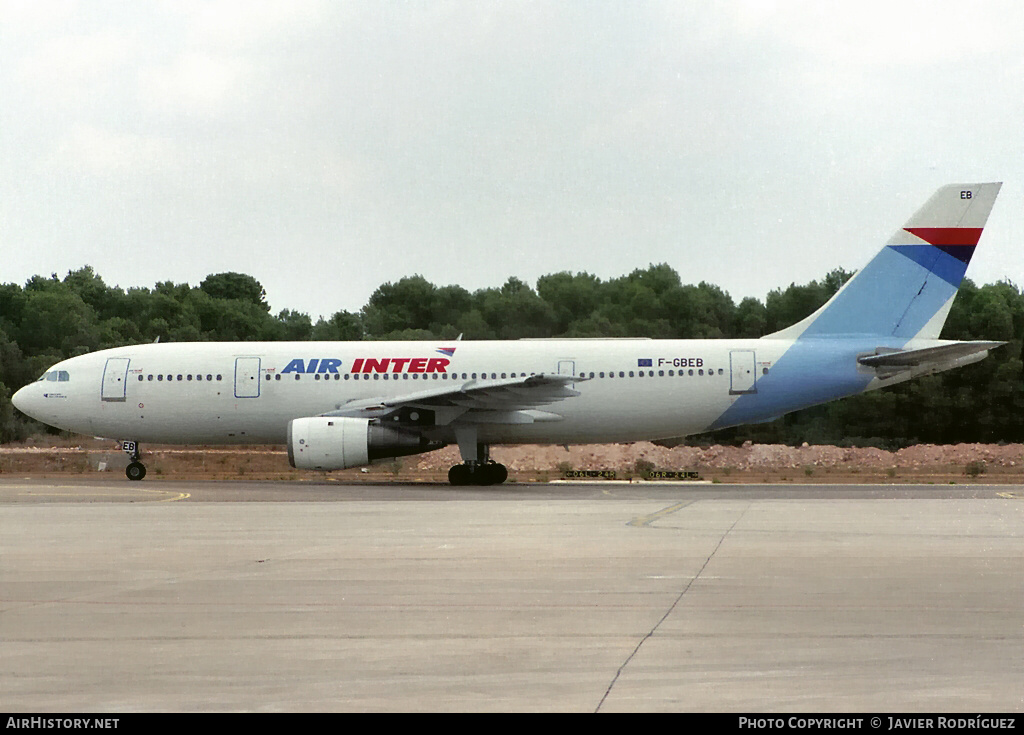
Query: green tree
342, 327
235, 286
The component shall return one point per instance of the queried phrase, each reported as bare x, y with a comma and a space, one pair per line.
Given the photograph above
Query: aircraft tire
135, 471
460, 475
494, 474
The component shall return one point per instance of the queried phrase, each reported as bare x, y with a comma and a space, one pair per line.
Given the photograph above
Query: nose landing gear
135, 470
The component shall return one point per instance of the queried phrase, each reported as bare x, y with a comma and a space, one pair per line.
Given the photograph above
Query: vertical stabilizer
907, 289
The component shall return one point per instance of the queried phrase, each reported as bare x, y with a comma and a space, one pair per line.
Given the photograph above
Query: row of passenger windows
495, 376
62, 375
209, 377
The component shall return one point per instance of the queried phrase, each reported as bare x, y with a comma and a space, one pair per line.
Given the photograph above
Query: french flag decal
644, 362
448, 351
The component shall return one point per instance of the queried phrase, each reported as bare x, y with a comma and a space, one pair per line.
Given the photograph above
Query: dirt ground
532, 463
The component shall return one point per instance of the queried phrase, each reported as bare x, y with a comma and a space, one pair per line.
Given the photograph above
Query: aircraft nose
24, 400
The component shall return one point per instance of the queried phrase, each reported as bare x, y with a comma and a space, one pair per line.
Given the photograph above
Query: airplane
338, 405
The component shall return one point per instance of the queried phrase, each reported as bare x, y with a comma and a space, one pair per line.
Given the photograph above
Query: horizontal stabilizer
892, 361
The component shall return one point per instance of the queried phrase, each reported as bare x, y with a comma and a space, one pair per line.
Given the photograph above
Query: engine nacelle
337, 443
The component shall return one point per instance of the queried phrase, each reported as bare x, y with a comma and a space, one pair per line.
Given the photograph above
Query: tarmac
274, 596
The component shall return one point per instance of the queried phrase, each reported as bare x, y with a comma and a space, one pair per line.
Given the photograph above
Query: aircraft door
115, 379
247, 377
743, 372
567, 367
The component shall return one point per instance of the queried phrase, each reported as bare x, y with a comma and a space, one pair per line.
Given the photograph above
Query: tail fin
906, 291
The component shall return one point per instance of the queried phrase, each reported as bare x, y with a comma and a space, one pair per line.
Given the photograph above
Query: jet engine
337, 443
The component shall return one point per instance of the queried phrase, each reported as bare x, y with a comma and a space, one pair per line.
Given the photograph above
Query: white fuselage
629, 389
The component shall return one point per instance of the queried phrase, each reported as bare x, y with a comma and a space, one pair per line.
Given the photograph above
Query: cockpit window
55, 375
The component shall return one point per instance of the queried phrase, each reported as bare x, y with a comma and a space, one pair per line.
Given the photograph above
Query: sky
328, 147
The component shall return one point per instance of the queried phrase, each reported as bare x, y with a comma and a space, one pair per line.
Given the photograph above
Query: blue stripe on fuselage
810, 372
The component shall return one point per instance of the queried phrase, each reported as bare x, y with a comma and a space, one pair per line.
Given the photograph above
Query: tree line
50, 319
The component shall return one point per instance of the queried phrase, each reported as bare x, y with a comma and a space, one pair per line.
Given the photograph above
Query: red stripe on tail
940, 236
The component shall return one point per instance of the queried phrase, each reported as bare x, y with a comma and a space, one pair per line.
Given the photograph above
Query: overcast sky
328, 147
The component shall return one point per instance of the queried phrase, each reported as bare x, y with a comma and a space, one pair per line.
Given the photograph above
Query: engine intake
337, 443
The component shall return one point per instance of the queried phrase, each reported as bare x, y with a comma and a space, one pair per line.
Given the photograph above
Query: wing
954, 354
504, 401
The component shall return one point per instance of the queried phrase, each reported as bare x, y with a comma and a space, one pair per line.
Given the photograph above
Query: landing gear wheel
460, 475
135, 471
493, 473
490, 473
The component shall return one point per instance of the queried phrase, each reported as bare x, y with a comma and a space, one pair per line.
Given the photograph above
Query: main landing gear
135, 470
474, 473
477, 467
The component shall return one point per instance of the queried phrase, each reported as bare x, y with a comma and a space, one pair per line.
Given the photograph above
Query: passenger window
210, 377
149, 377
160, 378
140, 378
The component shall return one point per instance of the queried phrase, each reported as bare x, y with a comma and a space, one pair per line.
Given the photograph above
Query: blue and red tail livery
908, 287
